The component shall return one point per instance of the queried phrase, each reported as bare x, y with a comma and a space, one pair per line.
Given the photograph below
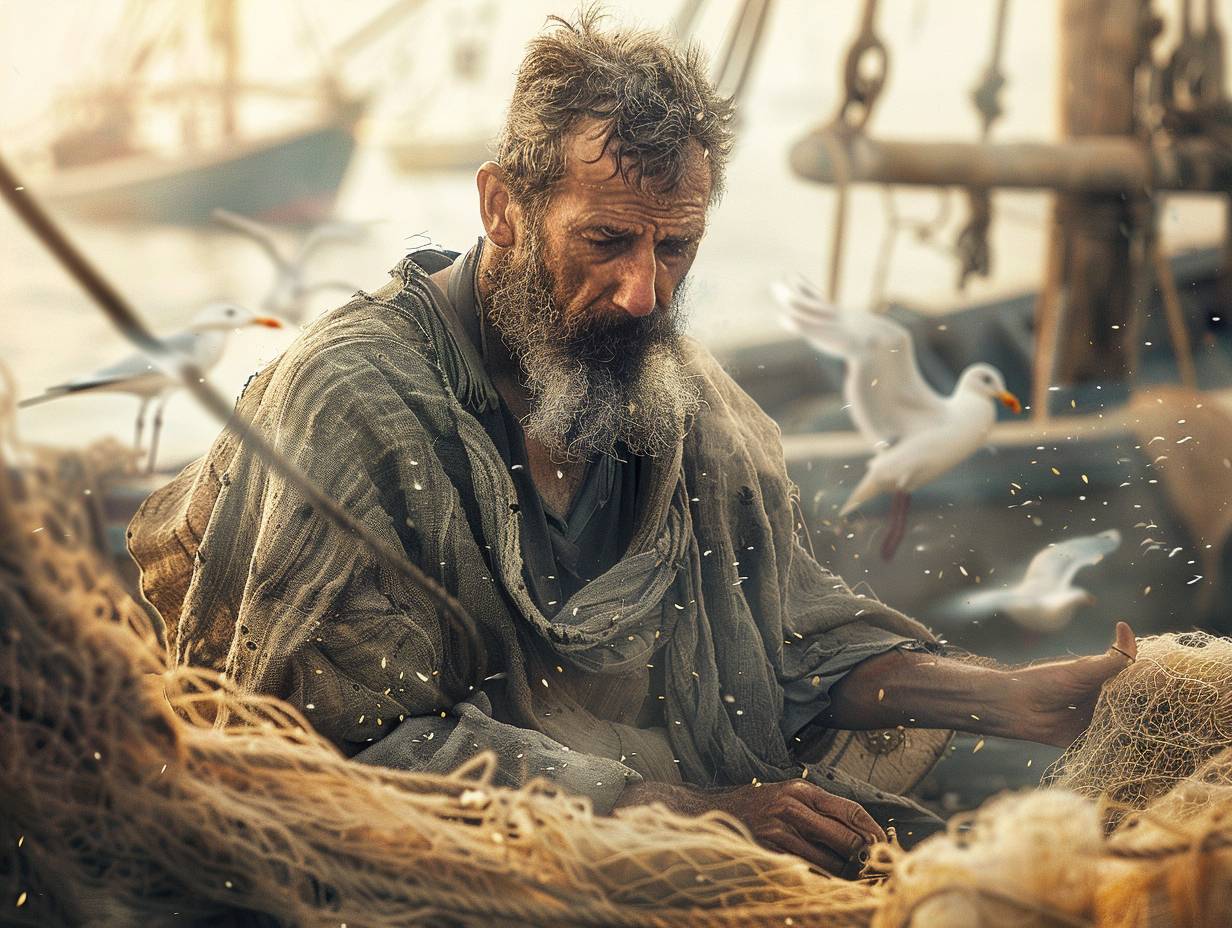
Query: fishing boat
139, 146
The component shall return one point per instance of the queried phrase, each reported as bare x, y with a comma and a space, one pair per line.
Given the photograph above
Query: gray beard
592, 385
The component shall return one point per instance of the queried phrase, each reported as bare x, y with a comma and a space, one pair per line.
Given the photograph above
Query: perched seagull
1045, 600
916, 433
202, 343
288, 294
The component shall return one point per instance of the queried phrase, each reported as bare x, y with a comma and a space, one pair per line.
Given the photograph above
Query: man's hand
792, 817
1059, 698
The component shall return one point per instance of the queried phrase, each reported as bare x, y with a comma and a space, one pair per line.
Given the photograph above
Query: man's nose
635, 292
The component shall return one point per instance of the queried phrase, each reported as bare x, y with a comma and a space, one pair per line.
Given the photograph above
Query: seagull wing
1055, 567
975, 603
328, 232
133, 374
138, 364
253, 230
889, 397
137, 373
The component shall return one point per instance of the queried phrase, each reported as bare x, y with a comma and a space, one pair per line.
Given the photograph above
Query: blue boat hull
289, 178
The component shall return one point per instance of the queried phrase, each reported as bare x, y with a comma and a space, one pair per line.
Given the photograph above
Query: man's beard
592, 383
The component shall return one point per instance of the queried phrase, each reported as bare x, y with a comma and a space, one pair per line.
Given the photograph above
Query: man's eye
674, 246
607, 241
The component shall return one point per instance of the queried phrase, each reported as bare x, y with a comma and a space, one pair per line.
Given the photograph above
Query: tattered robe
376, 402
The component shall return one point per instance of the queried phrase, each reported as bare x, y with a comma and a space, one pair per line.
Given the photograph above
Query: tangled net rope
125, 800
1156, 723
124, 803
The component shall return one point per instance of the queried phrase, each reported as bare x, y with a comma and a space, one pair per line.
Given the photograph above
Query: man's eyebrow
690, 233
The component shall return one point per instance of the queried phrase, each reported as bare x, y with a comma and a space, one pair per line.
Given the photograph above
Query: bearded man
529, 424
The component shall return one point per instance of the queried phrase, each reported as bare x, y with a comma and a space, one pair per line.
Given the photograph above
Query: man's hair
651, 97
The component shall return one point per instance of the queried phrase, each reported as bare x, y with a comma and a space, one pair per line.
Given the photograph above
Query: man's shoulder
723, 399
400, 311
379, 340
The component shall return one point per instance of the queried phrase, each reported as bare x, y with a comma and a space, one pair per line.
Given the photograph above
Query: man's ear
499, 213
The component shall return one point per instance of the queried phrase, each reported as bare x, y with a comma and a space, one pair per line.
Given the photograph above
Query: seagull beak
270, 322
1089, 599
1010, 401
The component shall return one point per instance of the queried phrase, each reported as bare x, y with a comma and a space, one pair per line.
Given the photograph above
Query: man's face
588, 301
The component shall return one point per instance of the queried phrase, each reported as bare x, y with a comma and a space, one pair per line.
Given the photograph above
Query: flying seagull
1045, 599
202, 342
916, 433
288, 294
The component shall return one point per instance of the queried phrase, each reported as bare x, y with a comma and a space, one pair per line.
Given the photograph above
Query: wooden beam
1094, 164
1102, 46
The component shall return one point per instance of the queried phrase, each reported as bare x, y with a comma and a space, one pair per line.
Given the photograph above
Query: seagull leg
900, 505
155, 432
145, 403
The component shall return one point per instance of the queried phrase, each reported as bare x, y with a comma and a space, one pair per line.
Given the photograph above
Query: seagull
916, 433
1045, 600
288, 293
202, 343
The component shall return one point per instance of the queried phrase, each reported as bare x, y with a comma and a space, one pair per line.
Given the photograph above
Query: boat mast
1089, 335
224, 35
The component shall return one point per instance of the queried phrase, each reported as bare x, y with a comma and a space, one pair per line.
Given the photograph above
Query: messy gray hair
651, 97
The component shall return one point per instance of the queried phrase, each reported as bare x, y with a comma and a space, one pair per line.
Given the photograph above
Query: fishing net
1156, 723
1134, 829
125, 801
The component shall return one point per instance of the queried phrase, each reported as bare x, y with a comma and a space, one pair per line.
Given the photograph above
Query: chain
987, 94
864, 76
864, 73
974, 253
1191, 83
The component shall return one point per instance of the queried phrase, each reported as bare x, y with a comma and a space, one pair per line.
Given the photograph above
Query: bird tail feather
865, 490
53, 393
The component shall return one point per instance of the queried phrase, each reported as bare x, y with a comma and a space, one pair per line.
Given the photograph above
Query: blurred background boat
168, 133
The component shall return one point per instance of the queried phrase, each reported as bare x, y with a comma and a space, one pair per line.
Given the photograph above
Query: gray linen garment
377, 402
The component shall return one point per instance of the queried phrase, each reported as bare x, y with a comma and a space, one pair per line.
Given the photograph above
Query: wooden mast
227, 40
1085, 323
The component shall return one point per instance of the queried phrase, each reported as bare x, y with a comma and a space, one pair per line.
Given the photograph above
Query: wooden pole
1102, 45
1094, 164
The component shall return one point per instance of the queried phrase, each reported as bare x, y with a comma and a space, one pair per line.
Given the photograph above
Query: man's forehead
591, 172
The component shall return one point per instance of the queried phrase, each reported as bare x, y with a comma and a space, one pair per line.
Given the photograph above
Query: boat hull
293, 177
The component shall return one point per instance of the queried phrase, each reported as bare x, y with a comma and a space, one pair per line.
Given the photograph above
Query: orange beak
1010, 401
270, 322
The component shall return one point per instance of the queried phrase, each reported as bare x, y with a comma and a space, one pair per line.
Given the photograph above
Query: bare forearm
927, 691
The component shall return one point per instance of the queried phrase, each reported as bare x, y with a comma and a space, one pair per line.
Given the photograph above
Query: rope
1026, 905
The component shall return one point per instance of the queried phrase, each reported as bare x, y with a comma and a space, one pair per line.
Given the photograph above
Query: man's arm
1047, 703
